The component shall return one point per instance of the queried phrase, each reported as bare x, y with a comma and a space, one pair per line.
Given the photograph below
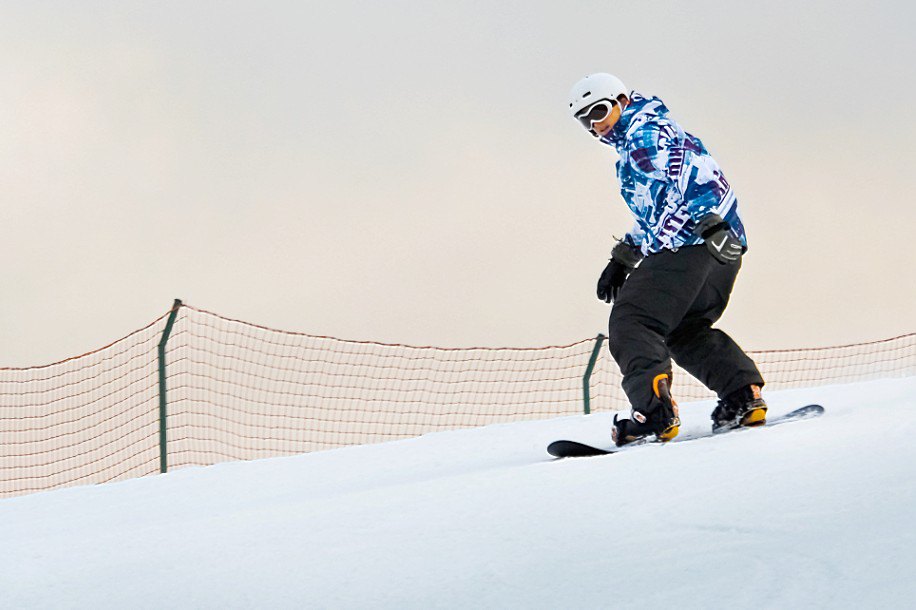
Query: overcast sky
406, 171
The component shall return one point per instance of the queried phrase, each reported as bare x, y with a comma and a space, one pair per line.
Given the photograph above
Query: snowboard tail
565, 449
569, 449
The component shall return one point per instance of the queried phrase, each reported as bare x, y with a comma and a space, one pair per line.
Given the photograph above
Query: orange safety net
240, 391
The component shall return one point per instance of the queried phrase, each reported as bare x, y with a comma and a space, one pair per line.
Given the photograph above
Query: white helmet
595, 87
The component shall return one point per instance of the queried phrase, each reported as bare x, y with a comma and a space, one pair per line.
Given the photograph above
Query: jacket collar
639, 110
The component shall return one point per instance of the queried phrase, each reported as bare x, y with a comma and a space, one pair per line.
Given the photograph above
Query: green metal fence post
586, 391
163, 437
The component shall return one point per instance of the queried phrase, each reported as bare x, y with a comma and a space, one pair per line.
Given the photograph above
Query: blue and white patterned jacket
667, 178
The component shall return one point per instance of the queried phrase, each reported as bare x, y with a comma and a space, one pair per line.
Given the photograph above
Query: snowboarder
670, 277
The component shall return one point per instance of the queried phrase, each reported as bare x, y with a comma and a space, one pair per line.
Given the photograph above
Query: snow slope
815, 513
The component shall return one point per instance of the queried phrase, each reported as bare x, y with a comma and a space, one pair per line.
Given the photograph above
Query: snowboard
569, 449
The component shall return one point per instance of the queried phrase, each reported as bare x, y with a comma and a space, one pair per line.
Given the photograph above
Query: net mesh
88, 419
240, 391
245, 391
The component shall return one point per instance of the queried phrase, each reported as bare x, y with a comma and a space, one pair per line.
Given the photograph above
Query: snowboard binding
660, 418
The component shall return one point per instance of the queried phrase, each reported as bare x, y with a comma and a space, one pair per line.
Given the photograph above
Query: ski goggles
595, 113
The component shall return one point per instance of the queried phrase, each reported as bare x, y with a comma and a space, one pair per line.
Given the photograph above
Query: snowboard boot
659, 418
743, 407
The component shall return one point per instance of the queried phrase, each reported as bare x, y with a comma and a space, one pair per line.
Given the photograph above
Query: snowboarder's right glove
624, 259
720, 241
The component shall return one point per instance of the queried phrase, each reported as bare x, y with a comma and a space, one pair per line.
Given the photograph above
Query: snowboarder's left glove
721, 242
624, 259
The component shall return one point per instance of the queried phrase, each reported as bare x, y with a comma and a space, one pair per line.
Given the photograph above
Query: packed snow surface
812, 513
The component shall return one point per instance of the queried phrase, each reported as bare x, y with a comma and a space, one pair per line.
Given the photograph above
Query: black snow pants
666, 309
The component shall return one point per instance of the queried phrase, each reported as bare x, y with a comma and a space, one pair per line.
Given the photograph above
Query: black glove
624, 259
720, 241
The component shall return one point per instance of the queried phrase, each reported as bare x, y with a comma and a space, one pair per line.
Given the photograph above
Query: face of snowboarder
604, 126
600, 117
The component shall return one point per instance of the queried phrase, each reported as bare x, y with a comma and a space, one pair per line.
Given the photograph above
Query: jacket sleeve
636, 236
702, 186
